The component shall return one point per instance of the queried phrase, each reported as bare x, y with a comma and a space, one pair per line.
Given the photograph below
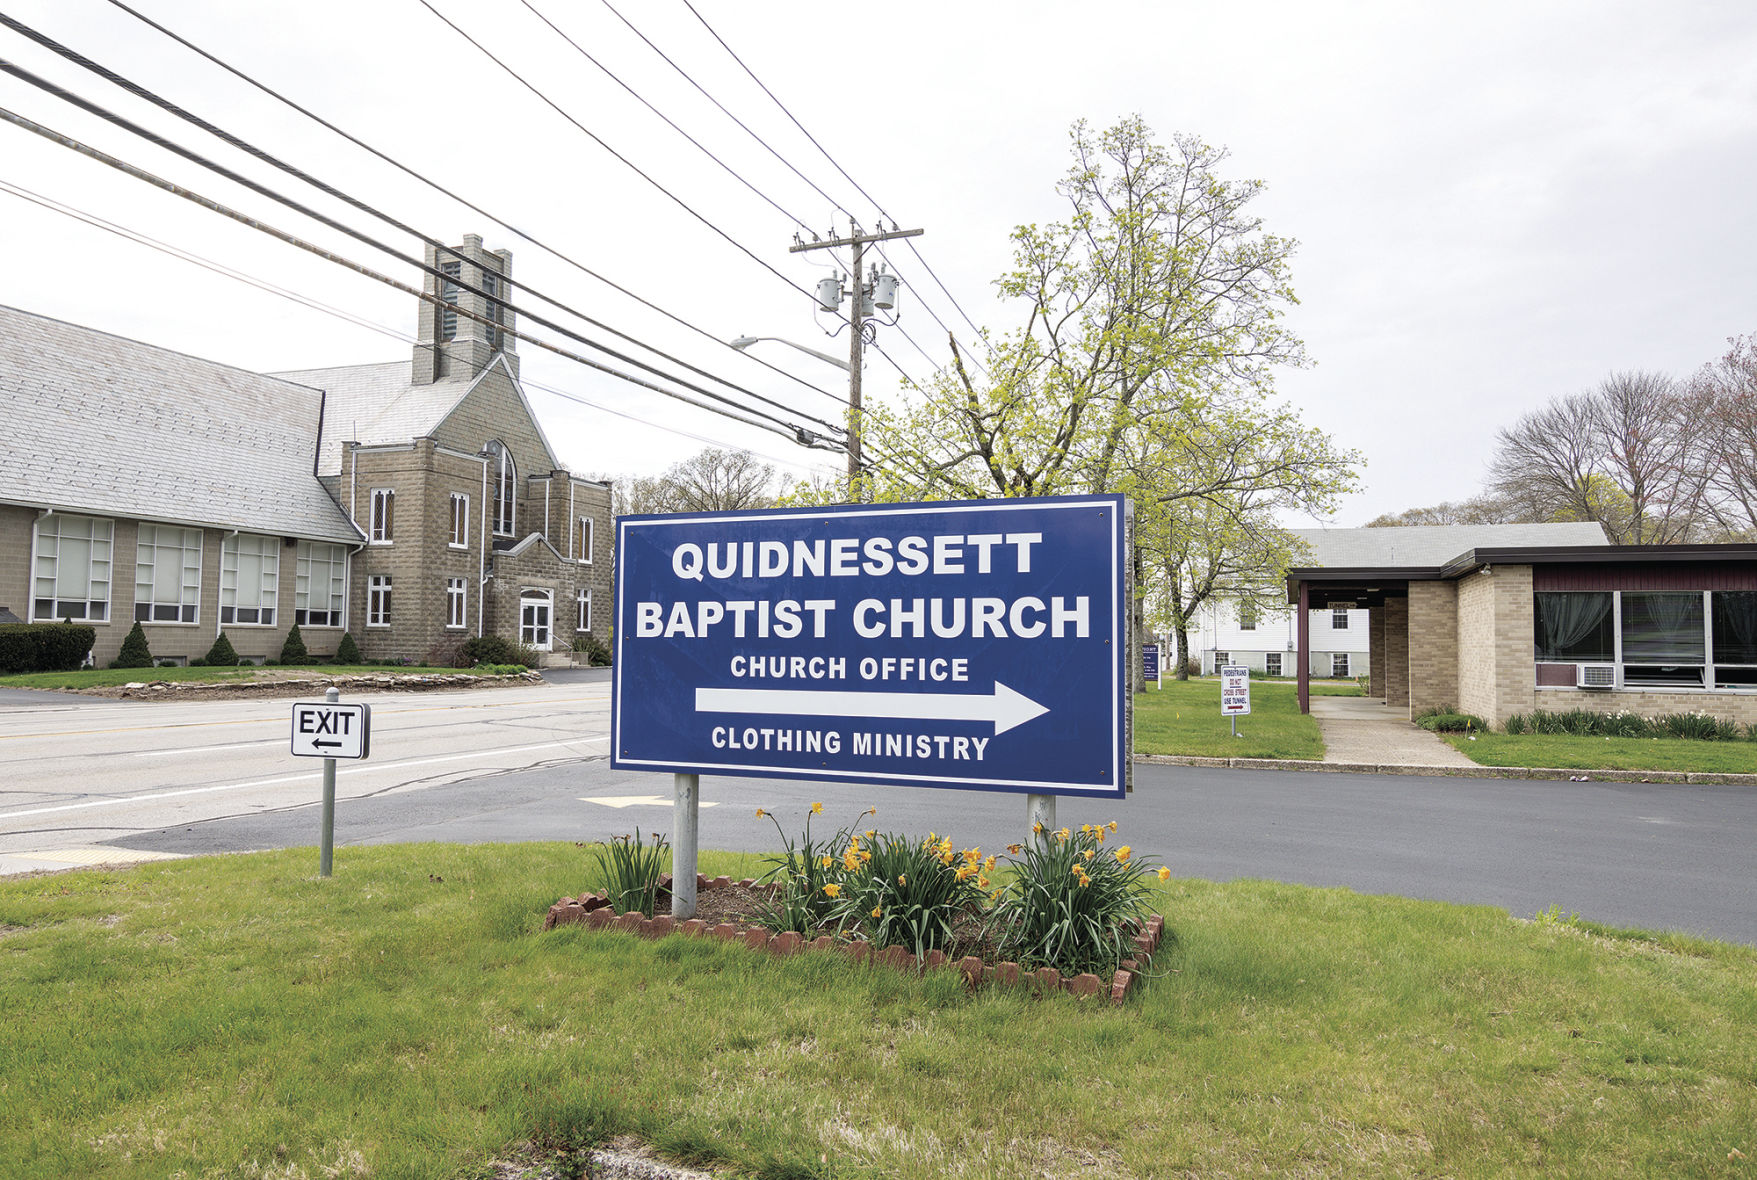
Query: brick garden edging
593, 910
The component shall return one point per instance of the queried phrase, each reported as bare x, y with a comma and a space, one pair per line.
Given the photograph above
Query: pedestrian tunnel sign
323, 730
977, 645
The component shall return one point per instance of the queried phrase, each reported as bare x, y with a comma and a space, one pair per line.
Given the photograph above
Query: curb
1534, 773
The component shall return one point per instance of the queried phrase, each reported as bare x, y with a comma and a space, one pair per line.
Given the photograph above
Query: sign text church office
412, 503
1502, 630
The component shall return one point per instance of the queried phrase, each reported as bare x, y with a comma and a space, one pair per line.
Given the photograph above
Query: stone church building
412, 503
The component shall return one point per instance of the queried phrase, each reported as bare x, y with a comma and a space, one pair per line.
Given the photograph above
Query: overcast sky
1495, 203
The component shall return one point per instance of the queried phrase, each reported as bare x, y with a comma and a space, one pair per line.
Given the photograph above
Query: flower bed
593, 910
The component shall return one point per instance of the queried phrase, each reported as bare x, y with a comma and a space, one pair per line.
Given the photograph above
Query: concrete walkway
1361, 730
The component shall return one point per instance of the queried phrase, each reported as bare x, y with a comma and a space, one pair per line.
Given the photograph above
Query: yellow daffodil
1063, 834
875, 911
865, 857
1164, 873
1112, 825
817, 808
871, 832
982, 882
871, 811
902, 878
1014, 848
995, 896
1100, 832
989, 864
1088, 854
1037, 828
760, 813
972, 855
832, 890
1122, 855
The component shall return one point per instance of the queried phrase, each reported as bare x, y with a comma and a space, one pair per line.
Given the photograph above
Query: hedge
45, 647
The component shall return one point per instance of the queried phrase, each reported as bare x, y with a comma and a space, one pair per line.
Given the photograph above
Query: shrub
1518, 723
809, 875
222, 654
496, 649
347, 651
1697, 726
444, 654
134, 653
631, 871
197, 662
1072, 904
596, 651
293, 650
910, 891
1450, 721
45, 647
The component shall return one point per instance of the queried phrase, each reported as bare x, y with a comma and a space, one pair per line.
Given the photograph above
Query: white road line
291, 778
187, 750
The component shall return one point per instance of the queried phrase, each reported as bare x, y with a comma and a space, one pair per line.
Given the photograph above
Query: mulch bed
728, 910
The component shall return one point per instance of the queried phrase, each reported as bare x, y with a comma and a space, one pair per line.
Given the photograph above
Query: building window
167, 574
72, 575
1574, 628
503, 474
1247, 615
250, 577
534, 619
448, 291
454, 602
1339, 620
460, 520
1272, 663
384, 504
1339, 663
1221, 659
583, 540
583, 600
492, 309
378, 601
1735, 638
320, 584
1664, 640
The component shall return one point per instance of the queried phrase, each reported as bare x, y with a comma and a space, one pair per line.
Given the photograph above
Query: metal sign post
1235, 692
329, 731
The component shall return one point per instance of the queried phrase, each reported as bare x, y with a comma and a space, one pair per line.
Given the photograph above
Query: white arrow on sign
621, 801
1004, 707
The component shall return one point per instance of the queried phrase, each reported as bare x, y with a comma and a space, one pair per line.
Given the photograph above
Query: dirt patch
289, 682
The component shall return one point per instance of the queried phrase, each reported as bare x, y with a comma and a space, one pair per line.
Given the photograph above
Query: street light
744, 342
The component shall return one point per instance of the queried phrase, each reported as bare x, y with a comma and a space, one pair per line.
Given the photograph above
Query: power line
725, 167
160, 141
329, 256
826, 154
465, 202
262, 284
595, 138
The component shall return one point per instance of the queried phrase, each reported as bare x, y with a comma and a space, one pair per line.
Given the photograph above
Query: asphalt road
1657, 856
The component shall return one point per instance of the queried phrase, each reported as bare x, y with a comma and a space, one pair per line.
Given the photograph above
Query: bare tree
1624, 454
710, 481
1486, 508
1723, 398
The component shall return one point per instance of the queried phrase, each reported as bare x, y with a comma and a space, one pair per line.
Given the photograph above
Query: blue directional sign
978, 644
1150, 661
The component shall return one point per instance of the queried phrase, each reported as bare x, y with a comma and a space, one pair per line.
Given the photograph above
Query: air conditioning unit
1595, 675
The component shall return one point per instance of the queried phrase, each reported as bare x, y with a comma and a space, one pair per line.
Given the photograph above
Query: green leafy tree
134, 653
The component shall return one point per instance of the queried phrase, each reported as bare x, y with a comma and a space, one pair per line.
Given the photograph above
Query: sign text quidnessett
976, 644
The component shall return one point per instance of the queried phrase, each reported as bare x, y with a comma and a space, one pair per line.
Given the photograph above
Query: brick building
412, 503
1503, 619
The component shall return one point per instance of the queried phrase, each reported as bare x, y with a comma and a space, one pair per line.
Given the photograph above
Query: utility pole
875, 292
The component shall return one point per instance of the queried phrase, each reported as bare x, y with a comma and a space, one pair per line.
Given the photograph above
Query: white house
1264, 639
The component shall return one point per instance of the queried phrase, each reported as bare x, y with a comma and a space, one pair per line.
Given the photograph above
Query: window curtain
1663, 629
1735, 627
1569, 622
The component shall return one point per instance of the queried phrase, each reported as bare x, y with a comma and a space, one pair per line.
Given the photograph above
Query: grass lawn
109, 677
1184, 718
237, 1016
1600, 753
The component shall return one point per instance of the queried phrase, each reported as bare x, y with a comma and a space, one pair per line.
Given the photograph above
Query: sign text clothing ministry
977, 644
